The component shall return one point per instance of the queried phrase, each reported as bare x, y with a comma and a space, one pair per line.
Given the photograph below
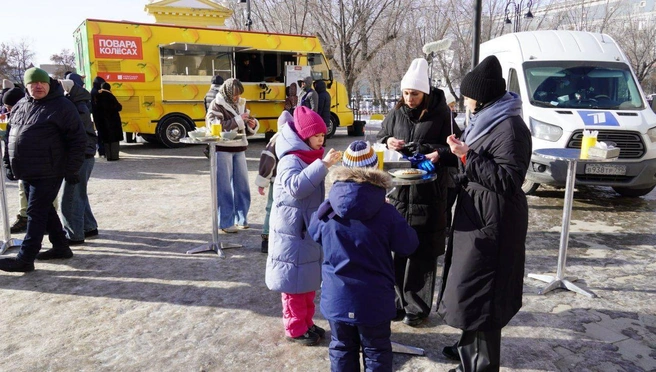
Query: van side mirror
330, 79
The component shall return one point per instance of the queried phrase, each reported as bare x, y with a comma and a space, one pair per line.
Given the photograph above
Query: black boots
19, 225
16, 265
265, 243
55, 253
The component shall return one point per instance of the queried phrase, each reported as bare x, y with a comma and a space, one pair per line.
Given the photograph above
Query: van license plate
606, 169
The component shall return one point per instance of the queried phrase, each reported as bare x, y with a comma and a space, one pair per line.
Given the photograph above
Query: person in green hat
47, 141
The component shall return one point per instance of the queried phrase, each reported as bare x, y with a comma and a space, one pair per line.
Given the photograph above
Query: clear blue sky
48, 25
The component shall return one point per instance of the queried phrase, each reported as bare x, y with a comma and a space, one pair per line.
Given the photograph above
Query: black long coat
107, 118
424, 205
484, 264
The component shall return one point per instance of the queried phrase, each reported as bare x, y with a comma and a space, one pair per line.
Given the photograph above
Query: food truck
160, 73
571, 81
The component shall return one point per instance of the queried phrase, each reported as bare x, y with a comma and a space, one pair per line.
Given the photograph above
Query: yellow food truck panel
161, 73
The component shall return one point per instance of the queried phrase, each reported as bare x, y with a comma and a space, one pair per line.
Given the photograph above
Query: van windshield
582, 84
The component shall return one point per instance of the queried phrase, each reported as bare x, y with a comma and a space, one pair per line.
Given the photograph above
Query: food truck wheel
171, 130
633, 193
529, 187
332, 125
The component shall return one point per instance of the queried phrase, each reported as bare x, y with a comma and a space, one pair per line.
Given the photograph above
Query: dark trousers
479, 351
415, 282
347, 339
451, 195
41, 217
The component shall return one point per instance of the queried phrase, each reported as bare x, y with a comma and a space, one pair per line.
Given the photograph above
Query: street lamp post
514, 9
249, 21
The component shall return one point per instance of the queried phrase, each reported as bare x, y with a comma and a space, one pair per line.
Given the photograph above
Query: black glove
10, 175
72, 179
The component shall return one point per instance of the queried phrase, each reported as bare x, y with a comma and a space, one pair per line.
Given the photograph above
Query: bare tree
636, 35
4, 61
353, 32
17, 57
66, 61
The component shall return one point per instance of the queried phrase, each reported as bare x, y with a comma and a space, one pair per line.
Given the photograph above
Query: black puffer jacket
47, 137
81, 98
424, 205
324, 100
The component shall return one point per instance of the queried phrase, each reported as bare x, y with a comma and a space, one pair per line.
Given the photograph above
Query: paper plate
404, 173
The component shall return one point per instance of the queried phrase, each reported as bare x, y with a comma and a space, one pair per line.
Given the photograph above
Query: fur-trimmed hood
358, 193
361, 175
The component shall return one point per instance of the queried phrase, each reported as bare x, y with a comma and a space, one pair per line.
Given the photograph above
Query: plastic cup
217, 128
586, 143
380, 153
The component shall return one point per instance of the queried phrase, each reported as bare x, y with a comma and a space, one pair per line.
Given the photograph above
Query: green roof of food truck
554, 45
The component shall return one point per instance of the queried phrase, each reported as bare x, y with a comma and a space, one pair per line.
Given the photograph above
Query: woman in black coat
108, 121
484, 265
420, 122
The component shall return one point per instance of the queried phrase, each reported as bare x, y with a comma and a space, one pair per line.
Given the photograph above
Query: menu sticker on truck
134, 77
117, 47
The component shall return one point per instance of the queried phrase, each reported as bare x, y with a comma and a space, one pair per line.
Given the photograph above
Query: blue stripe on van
604, 118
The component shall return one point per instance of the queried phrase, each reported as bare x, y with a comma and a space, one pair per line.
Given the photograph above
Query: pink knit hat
307, 123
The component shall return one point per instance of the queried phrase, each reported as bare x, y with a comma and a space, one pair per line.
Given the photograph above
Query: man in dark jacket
78, 218
46, 145
482, 281
217, 80
323, 107
309, 96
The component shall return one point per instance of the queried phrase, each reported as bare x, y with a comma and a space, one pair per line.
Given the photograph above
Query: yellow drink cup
216, 128
3, 125
380, 154
586, 143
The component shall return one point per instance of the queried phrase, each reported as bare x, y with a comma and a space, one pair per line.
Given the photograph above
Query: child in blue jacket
359, 231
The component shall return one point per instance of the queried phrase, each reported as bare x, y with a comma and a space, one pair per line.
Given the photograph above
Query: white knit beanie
448, 97
417, 76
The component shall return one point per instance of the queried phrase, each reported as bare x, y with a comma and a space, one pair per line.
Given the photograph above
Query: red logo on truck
117, 47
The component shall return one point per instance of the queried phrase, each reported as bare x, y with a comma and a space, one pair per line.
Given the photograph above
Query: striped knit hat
359, 154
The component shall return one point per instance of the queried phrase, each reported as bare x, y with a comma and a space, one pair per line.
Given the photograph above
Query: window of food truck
576, 84
262, 66
194, 63
319, 66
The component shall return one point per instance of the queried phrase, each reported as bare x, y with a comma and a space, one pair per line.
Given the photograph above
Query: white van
570, 81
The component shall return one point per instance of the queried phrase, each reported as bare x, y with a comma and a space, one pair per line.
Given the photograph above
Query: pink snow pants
297, 313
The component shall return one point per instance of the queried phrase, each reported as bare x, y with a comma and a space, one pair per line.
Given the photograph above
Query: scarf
489, 117
308, 156
227, 91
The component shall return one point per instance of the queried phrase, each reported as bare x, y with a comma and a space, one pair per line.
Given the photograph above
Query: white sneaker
242, 227
228, 230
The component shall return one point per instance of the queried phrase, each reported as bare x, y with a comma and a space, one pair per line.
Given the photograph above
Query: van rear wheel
529, 187
633, 193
